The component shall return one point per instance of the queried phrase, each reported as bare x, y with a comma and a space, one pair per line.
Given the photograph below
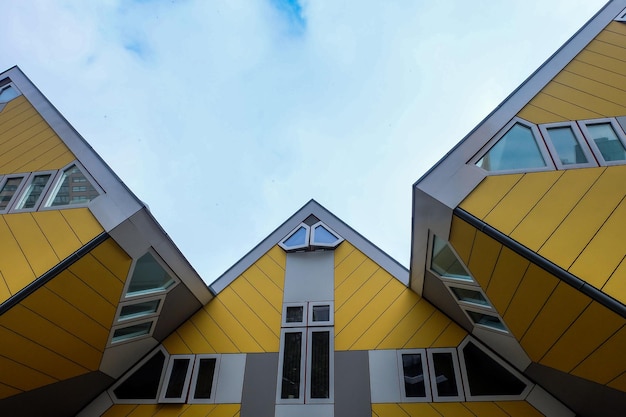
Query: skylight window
148, 277
305, 237
445, 262
66, 193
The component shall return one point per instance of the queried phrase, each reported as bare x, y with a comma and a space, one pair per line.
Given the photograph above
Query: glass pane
145, 308
445, 377
486, 320
609, 144
33, 192
297, 239
414, 384
148, 276
517, 149
320, 364
8, 93
295, 314
129, 332
204, 381
488, 377
322, 235
143, 384
567, 146
74, 194
469, 296
321, 313
445, 263
292, 362
8, 191
177, 378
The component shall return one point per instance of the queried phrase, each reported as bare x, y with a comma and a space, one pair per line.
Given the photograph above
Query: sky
227, 116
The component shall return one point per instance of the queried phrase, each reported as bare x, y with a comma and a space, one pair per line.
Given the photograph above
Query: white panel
230, 379
384, 377
547, 404
309, 276
97, 407
305, 410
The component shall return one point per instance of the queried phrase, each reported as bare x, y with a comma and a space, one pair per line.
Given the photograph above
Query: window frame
4, 87
315, 244
429, 261
427, 388
305, 312
119, 320
306, 243
131, 371
18, 190
191, 399
592, 160
450, 285
309, 365
112, 342
56, 184
617, 129
146, 294
281, 362
331, 314
457, 374
492, 142
167, 379
485, 312
23, 194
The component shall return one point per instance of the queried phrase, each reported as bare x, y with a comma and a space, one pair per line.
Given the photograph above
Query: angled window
10, 186
445, 263
445, 375
65, 194
414, 386
297, 239
141, 385
148, 276
488, 378
469, 295
203, 379
146, 307
8, 92
566, 143
33, 191
132, 331
606, 140
291, 366
177, 379
487, 320
518, 149
324, 236
305, 237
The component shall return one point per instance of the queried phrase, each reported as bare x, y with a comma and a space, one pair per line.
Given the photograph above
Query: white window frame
132, 370
14, 208
295, 324
324, 245
56, 184
112, 342
592, 144
128, 297
538, 139
194, 379
123, 304
457, 284
429, 261
331, 365
427, 388
584, 146
281, 358
468, 391
18, 191
331, 314
621, 17
433, 377
168, 375
294, 231
485, 312
4, 87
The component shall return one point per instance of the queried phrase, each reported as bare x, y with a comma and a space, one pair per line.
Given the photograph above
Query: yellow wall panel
488, 194
619, 383
485, 409
507, 274
348, 266
538, 115
519, 409
607, 362
427, 334
111, 255
270, 313
452, 336
418, 410
58, 232
175, 345
342, 251
278, 255
406, 327
611, 102
4, 289
541, 221
483, 259
605, 62
84, 224
589, 102
612, 78
462, 236
353, 282
32, 242
236, 331
388, 410
120, 410
273, 270
562, 308
7, 391
594, 326
22, 377
15, 269
216, 336
145, 410
521, 199
452, 410
23, 143
196, 340
616, 285
562, 107
532, 293
266, 286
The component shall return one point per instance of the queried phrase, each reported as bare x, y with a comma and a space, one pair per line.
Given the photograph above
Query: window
33, 191
143, 380
8, 92
62, 194
414, 379
606, 140
203, 384
445, 376
132, 331
141, 309
567, 144
177, 379
148, 277
488, 320
9, 188
306, 354
316, 236
445, 262
468, 295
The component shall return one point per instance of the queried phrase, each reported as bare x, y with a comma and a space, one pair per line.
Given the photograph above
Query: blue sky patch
292, 10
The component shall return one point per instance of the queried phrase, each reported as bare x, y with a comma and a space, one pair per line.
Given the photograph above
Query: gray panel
118, 359
179, 305
437, 294
309, 276
230, 379
584, 397
505, 345
259, 385
305, 410
62, 399
384, 376
352, 388
547, 404
98, 406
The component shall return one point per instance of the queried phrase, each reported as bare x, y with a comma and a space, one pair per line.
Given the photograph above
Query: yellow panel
521, 199
111, 255
342, 251
485, 409
194, 338
483, 260
519, 409
588, 101
98, 277
608, 63
388, 410
386, 320
171, 410
198, 410
462, 236
538, 115
254, 325
57, 157
605, 252
607, 362
49, 305
32, 241
347, 267
7, 391
14, 267
57, 232
278, 255
225, 410
253, 297
67, 286
614, 102
488, 194
619, 383
237, 333
145, 410
217, 336
582, 223
418, 410
507, 274
559, 312
26, 142
452, 410
429, 332
583, 69
550, 211
616, 285
407, 326
274, 271
268, 288
563, 108
4, 289
354, 281
175, 345
365, 316
84, 224
451, 336
120, 410
529, 298
22, 377
594, 326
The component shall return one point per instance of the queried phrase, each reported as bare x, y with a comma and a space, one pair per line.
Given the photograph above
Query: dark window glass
607, 141
148, 276
177, 378
444, 374
35, 189
323, 236
321, 313
144, 308
295, 314
488, 377
320, 364
414, 385
204, 382
292, 362
143, 384
469, 296
297, 239
8, 191
486, 320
